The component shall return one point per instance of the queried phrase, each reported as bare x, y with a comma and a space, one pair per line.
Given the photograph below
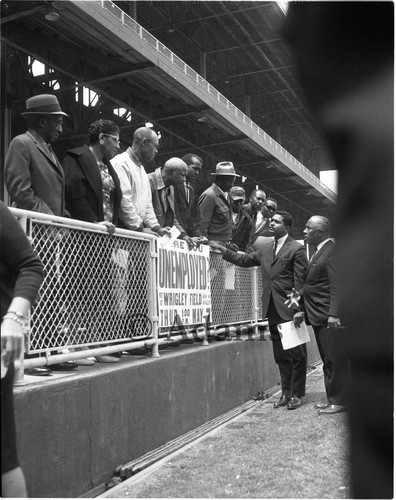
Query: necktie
275, 246
168, 208
313, 254
187, 190
51, 152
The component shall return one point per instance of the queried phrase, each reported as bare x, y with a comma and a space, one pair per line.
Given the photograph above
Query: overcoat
84, 189
33, 177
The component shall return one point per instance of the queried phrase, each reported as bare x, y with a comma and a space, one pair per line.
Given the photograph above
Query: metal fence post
153, 298
255, 299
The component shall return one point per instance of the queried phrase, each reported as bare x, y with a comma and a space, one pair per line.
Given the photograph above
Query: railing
227, 105
99, 294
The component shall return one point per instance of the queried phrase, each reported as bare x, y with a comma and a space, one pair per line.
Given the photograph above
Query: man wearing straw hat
33, 175
215, 214
215, 223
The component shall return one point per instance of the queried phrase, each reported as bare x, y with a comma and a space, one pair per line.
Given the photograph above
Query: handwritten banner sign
183, 285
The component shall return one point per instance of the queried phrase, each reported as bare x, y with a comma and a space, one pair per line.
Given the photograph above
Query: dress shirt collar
281, 241
158, 178
38, 137
322, 243
133, 157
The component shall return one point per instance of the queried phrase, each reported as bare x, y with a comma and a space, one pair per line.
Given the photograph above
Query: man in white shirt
136, 211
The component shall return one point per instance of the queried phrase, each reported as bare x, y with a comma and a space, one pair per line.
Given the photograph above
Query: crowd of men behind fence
99, 185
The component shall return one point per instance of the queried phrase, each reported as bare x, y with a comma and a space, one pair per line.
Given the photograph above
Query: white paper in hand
292, 336
166, 240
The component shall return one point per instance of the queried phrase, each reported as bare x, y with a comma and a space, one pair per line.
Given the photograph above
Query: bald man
320, 296
136, 210
162, 183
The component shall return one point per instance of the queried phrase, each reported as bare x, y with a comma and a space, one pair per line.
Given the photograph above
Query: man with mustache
33, 176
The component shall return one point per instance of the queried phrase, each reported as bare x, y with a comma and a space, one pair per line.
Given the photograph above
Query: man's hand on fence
216, 246
164, 230
190, 242
109, 226
232, 246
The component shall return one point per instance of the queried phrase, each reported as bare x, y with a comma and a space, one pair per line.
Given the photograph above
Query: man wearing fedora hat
35, 180
33, 175
214, 209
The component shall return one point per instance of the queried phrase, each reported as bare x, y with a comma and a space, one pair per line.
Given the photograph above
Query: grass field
264, 453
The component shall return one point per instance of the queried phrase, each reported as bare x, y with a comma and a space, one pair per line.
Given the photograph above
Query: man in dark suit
185, 194
283, 264
33, 175
162, 184
320, 296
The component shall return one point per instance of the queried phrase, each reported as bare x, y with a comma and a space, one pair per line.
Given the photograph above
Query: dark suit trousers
335, 363
292, 362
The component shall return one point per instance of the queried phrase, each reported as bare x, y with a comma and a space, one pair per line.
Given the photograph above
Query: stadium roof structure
214, 78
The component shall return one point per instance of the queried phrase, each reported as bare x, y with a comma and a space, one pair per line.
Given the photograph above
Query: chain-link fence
101, 290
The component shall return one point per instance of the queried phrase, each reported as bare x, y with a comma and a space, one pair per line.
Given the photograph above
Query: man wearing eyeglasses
264, 218
34, 177
261, 229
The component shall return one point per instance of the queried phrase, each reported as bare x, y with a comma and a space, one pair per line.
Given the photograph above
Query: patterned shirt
108, 191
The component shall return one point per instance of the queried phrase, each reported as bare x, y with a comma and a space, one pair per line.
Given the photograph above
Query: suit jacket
215, 216
321, 292
187, 208
263, 229
241, 231
157, 187
279, 275
33, 177
84, 189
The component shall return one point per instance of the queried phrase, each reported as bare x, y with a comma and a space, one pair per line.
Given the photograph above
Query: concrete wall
74, 429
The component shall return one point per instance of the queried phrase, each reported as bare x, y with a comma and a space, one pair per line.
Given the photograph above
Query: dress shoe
320, 406
283, 401
65, 366
331, 409
85, 361
107, 359
39, 371
294, 402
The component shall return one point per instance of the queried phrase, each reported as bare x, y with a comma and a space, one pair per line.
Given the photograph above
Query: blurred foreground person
21, 274
345, 56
